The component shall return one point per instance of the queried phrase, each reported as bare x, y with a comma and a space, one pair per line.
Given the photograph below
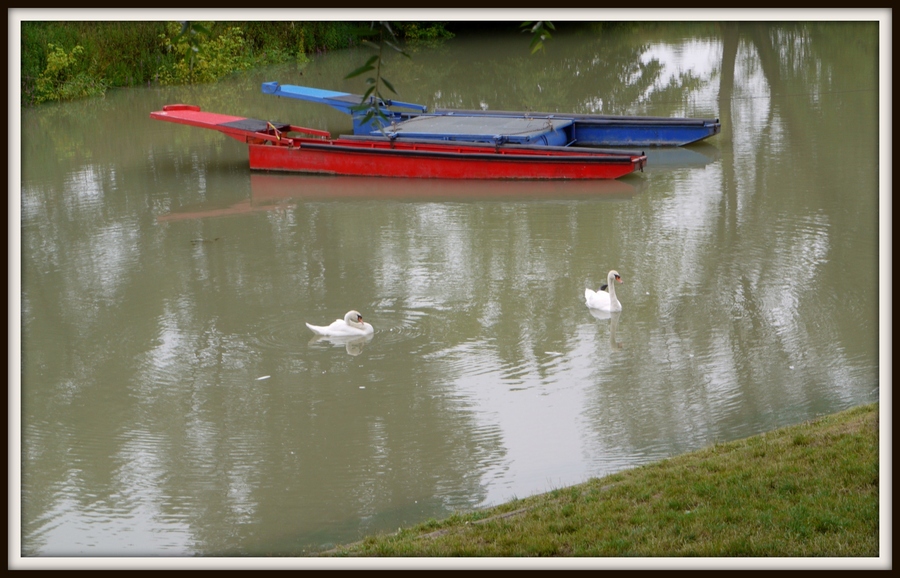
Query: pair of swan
352, 325
604, 299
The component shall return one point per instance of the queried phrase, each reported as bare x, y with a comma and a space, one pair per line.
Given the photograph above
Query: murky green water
173, 403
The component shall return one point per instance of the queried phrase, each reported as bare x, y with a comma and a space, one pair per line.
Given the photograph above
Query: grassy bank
81, 59
810, 490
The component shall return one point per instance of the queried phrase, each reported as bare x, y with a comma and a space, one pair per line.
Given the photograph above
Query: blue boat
414, 121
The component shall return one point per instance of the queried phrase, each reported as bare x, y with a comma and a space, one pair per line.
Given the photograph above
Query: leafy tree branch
540, 31
378, 36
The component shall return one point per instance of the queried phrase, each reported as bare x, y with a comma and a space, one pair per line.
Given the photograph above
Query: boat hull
586, 133
429, 163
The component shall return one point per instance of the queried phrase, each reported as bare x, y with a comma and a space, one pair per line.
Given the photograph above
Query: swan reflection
353, 344
613, 317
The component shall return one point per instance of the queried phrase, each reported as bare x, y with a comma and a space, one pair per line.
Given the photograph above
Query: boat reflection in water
668, 158
276, 190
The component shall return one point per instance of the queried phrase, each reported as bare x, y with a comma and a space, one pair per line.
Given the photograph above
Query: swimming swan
602, 300
351, 325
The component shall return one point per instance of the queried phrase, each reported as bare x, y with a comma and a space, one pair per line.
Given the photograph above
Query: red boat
276, 147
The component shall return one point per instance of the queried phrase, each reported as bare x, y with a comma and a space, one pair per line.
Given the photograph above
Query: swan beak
359, 318
618, 279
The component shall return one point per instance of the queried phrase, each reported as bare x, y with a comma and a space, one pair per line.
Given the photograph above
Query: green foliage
333, 36
200, 56
131, 53
419, 32
540, 31
373, 96
125, 53
276, 42
116, 53
61, 80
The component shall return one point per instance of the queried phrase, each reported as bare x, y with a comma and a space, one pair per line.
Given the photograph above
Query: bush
129, 53
201, 59
423, 32
61, 80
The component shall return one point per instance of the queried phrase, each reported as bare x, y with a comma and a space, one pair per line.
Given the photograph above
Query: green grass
810, 490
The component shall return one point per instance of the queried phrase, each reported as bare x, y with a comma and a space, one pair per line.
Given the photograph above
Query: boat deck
494, 129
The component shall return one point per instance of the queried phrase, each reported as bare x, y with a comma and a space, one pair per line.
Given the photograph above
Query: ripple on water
394, 326
286, 334
289, 334
76, 517
467, 358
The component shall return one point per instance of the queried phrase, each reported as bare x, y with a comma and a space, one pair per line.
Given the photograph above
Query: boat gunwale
581, 117
499, 155
480, 144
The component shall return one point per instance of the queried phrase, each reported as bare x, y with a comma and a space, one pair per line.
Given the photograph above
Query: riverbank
810, 490
69, 60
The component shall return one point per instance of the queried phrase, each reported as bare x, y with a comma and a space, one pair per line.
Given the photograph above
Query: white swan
602, 300
351, 325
